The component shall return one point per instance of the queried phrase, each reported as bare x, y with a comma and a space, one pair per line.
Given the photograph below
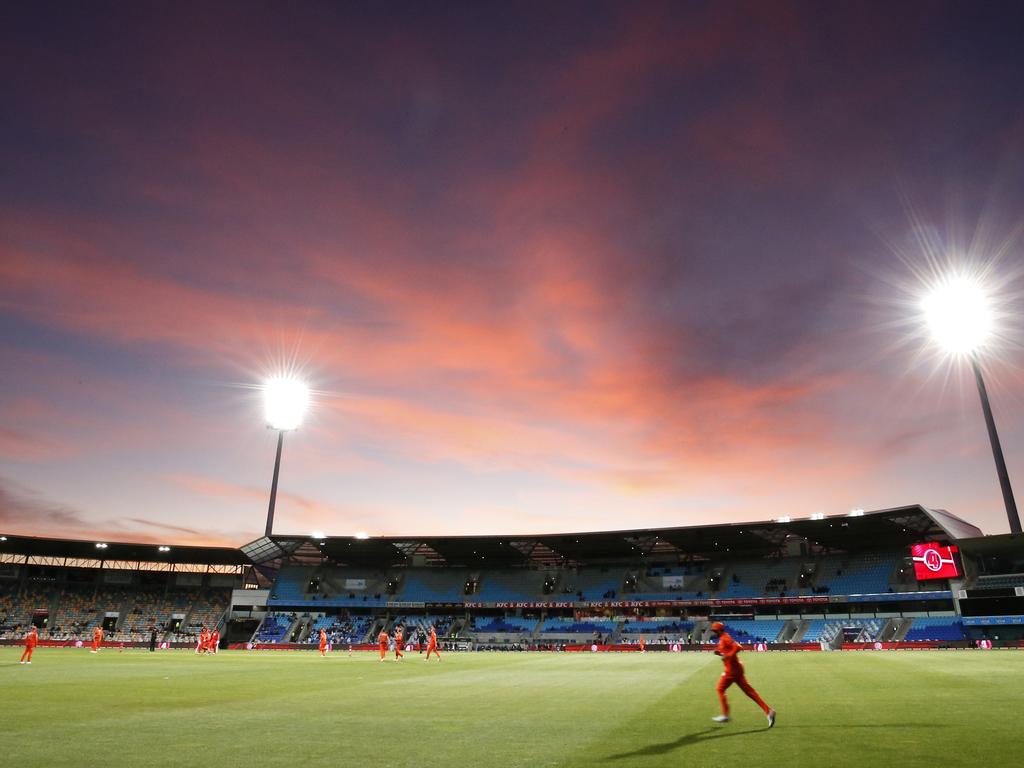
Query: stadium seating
510, 585
828, 629
1000, 582
564, 626
942, 628
433, 585
273, 628
751, 631
503, 624
853, 575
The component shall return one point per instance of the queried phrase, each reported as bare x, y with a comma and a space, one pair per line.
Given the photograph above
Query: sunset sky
548, 266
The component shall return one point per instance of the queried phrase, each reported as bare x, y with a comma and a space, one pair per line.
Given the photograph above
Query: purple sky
578, 267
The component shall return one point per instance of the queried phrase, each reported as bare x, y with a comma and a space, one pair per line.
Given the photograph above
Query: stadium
537, 635
619, 365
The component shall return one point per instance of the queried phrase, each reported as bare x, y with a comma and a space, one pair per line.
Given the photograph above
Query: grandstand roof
87, 550
896, 527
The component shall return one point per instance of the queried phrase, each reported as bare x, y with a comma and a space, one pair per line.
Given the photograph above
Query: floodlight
163, 548
959, 314
285, 401
818, 516
318, 535
362, 535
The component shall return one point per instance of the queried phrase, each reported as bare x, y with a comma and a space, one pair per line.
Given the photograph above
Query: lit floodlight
959, 315
784, 519
100, 545
818, 516
318, 535
285, 401
163, 548
856, 513
362, 535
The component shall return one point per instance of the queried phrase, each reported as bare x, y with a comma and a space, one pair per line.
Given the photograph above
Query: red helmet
718, 627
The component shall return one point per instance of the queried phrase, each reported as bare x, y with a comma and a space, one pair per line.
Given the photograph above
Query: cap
718, 627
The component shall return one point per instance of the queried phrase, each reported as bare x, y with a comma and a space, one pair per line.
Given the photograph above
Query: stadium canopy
75, 549
896, 527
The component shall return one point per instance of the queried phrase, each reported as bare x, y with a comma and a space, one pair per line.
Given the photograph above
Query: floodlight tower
285, 401
960, 318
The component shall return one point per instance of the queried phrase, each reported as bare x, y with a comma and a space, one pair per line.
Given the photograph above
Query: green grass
934, 709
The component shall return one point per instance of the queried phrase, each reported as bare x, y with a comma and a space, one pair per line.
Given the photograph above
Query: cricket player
432, 644
729, 650
399, 638
31, 641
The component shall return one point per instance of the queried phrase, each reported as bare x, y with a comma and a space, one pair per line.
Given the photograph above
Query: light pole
285, 401
958, 313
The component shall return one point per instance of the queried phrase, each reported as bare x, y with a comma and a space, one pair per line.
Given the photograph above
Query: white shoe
771, 717
21, 662
28, 662
721, 718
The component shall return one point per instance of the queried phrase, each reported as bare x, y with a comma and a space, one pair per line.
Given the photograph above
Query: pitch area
134, 708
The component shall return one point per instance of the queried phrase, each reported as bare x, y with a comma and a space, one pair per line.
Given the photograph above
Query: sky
547, 266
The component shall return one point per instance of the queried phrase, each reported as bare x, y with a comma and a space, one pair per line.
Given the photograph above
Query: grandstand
803, 583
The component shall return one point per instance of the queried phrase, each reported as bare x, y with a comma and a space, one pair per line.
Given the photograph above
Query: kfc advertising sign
932, 561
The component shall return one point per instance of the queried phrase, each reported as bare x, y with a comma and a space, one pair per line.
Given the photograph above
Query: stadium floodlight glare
318, 535
285, 400
959, 314
958, 310
362, 535
163, 548
784, 519
100, 545
818, 516
856, 513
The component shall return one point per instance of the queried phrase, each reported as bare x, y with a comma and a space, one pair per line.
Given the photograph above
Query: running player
323, 642
214, 641
643, 645
729, 650
382, 641
432, 644
97, 639
31, 641
399, 636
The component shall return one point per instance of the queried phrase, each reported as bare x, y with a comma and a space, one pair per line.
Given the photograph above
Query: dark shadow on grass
687, 740
709, 734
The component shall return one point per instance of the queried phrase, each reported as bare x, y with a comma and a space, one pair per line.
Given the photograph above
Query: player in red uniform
214, 641
382, 641
729, 649
31, 641
399, 637
643, 645
204, 639
323, 641
432, 644
97, 639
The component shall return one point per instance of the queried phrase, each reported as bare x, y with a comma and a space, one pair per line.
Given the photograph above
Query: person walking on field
729, 650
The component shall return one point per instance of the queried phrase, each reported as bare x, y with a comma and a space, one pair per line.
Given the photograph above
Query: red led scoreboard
932, 561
